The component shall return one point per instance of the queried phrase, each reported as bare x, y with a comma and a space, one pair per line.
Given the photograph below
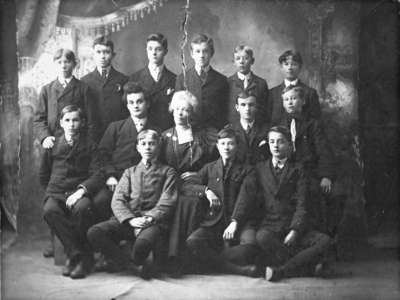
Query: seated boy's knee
94, 233
82, 208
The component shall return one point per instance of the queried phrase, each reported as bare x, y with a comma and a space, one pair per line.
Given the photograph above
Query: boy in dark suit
157, 81
63, 91
227, 193
310, 147
289, 247
68, 174
245, 80
117, 149
251, 133
143, 204
207, 85
105, 84
291, 63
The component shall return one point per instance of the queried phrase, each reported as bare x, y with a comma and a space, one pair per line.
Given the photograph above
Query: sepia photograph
199, 149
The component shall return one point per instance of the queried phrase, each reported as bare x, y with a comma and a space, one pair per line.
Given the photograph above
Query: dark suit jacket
258, 87
312, 147
311, 108
63, 168
157, 93
253, 148
284, 202
53, 98
236, 189
212, 96
109, 96
117, 148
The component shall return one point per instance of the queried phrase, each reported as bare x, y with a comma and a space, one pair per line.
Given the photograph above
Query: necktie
293, 133
104, 74
246, 82
203, 76
64, 84
148, 164
248, 130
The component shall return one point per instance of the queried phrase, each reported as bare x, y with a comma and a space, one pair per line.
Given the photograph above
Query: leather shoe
68, 267
79, 271
272, 274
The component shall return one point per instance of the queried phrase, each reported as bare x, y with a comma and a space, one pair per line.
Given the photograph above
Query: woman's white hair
184, 97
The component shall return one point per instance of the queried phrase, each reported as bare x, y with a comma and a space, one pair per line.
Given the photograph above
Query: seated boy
105, 84
310, 147
143, 204
289, 247
207, 85
68, 173
227, 193
117, 147
291, 63
157, 81
251, 133
245, 80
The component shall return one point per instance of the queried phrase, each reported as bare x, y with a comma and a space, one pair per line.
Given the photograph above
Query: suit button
218, 179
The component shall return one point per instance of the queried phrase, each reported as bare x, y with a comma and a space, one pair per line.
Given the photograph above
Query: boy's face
247, 108
181, 114
227, 148
64, 67
278, 145
201, 54
242, 61
71, 123
137, 105
147, 147
292, 102
102, 56
155, 52
291, 69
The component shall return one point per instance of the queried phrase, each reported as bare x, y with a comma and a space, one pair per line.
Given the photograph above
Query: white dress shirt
139, 123
155, 71
293, 82
245, 78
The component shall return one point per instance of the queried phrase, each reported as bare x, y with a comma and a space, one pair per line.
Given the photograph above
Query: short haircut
246, 49
184, 97
294, 55
295, 88
133, 87
151, 133
72, 108
227, 132
199, 38
105, 41
63, 52
283, 131
158, 37
244, 95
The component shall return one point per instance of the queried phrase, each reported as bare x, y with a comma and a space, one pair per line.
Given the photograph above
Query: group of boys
104, 182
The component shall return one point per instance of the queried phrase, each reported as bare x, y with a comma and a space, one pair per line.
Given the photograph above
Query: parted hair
227, 132
67, 53
293, 54
246, 49
199, 38
105, 41
72, 108
151, 133
133, 87
295, 88
283, 131
245, 94
158, 37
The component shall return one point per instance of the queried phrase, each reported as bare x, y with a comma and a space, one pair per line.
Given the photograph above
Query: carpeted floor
26, 274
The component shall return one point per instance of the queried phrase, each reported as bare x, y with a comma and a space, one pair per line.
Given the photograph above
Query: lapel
210, 76
69, 88
58, 88
219, 173
286, 174
110, 76
237, 81
240, 131
78, 147
129, 129
252, 83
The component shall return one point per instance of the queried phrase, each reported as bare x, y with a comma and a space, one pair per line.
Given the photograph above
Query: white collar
280, 163
155, 68
246, 124
100, 70
242, 76
293, 82
205, 69
137, 121
63, 80
152, 162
